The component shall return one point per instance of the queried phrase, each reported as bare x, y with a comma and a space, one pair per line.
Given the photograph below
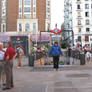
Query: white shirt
2, 55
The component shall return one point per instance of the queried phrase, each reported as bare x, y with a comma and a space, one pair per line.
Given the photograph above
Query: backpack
19, 52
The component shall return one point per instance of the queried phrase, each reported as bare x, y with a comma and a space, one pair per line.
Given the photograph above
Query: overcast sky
57, 13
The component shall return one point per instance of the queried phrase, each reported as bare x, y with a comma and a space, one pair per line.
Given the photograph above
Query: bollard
82, 59
31, 60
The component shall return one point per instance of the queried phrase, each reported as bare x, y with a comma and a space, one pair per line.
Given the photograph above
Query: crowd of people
6, 64
86, 49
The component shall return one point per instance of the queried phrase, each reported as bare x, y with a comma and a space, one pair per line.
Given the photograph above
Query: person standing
2, 52
9, 57
56, 51
20, 54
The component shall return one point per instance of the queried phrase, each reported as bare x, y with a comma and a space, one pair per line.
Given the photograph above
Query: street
77, 78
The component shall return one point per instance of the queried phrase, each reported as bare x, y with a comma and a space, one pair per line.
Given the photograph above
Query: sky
57, 13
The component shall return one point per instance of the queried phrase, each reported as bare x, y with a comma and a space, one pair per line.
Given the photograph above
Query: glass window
79, 14
27, 16
20, 9
48, 3
79, 29
86, 14
79, 38
20, 16
86, 6
34, 2
48, 10
27, 9
3, 27
87, 29
79, 22
78, 6
34, 26
27, 2
20, 2
87, 22
20, 27
27, 27
34, 15
34, 9
86, 38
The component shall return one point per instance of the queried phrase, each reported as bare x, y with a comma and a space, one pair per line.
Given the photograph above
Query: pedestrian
56, 51
20, 54
9, 57
88, 56
2, 74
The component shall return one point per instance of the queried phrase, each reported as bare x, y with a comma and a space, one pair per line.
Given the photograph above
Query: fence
71, 57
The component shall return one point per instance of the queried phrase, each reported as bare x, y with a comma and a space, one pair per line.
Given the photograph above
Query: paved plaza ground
45, 79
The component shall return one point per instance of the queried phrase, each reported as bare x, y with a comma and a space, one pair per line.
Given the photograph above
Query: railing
70, 57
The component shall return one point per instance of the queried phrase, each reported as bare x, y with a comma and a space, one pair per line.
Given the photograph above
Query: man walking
9, 57
56, 51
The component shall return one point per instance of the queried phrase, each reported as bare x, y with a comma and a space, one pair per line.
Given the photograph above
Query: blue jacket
55, 51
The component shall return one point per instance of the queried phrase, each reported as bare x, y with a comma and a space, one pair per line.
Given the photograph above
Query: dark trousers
56, 62
9, 73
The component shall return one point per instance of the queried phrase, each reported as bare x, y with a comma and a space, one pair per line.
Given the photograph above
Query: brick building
24, 15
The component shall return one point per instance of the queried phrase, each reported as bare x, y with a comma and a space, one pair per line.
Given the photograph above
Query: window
20, 2
86, 38
27, 9
27, 2
34, 15
91, 6
27, 27
79, 14
86, 14
27, 16
78, 6
34, 9
79, 22
86, 6
34, 2
20, 9
79, 38
34, 27
48, 10
3, 27
20, 27
79, 29
87, 29
48, 3
87, 22
20, 16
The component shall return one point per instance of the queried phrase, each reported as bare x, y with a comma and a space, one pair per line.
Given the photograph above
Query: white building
82, 21
68, 21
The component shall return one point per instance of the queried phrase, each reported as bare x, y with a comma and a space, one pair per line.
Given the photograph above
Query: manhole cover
78, 75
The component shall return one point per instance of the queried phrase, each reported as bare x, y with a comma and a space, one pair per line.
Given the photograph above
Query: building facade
68, 29
33, 15
24, 15
82, 21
